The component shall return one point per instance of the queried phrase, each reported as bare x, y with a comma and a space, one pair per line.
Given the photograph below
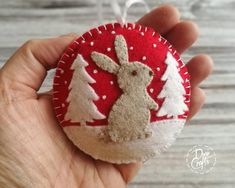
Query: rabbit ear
105, 62
121, 49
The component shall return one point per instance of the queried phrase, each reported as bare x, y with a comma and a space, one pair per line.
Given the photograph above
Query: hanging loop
129, 3
119, 15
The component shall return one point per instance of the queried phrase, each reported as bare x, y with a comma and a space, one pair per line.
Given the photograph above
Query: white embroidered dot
151, 90
131, 48
144, 58
158, 69
142, 33
65, 82
160, 39
111, 82
72, 55
95, 71
63, 105
104, 97
113, 32
154, 45
100, 32
109, 49
83, 41
92, 43
129, 28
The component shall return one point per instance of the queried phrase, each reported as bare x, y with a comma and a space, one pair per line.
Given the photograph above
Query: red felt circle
144, 45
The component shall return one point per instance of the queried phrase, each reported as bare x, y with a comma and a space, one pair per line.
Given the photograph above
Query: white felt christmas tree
81, 106
173, 90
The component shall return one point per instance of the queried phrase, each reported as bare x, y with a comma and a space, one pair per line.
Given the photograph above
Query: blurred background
21, 20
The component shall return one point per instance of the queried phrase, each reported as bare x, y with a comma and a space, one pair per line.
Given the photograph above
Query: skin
34, 152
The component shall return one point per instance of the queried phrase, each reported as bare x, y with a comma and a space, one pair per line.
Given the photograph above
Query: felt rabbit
130, 115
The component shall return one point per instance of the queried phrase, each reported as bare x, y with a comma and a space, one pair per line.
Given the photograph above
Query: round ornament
121, 93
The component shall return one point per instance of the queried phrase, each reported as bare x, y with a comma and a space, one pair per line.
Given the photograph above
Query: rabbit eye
150, 73
134, 73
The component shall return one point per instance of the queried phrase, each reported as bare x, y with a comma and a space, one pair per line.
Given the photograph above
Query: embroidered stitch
104, 97
95, 71
62, 62
76, 42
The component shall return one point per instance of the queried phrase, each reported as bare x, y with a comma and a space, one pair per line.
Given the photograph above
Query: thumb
25, 71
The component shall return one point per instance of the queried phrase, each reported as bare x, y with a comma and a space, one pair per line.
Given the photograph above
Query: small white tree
173, 90
81, 106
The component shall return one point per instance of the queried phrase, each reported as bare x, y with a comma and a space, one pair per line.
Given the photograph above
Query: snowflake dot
95, 71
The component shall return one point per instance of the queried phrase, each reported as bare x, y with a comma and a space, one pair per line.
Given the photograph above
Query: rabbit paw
114, 136
147, 133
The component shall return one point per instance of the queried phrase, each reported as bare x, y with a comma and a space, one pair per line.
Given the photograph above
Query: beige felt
89, 140
105, 62
130, 115
121, 49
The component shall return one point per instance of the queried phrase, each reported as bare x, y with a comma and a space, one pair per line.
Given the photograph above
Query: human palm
34, 151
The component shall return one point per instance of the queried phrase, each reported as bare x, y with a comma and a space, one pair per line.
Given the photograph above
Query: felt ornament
121, 93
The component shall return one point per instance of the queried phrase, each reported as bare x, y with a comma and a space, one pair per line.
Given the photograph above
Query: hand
34, 151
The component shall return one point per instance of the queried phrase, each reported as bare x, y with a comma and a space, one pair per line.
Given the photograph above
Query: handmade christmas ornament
121, 93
